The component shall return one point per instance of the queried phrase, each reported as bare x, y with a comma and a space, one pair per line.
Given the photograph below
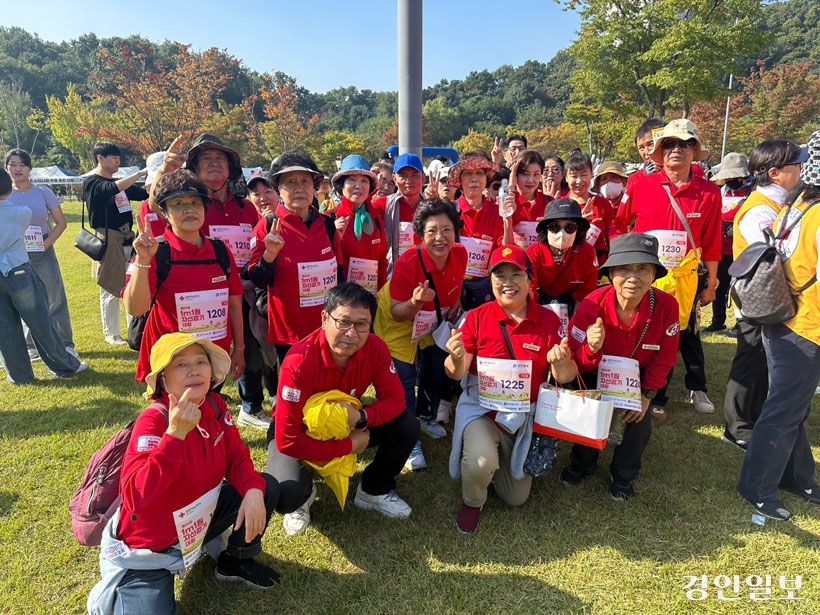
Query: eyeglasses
670, 144
496, 187
445, 232
191, 205
346, 325
552, 170
519, 277
515, 148
555, 227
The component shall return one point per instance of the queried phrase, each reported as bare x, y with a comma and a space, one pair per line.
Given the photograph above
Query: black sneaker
250, 572
620, 491
810, 495
772, 510
714, 328
741, 444
571, 477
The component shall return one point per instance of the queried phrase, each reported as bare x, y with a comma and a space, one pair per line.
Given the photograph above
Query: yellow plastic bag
326, 419
682, 283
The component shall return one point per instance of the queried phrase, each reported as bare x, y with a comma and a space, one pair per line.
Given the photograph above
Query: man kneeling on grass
342, 355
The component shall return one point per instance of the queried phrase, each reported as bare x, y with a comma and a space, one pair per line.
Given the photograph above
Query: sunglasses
556, 227
496, 187
670, 144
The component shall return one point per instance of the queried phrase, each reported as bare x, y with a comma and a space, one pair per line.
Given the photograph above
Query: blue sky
325, 44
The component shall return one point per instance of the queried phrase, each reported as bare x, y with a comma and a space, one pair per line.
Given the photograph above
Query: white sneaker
389, 504
433, 429
701, 402
443, 413
416, 460
259, 419
81, 367
115, 340
33, 355
299, 520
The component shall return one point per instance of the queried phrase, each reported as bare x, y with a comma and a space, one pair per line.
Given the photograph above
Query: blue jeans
779, 454
152, 591
431, 378
48, 270
23, 297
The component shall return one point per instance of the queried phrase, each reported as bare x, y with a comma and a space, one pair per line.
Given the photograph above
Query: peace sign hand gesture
145, 245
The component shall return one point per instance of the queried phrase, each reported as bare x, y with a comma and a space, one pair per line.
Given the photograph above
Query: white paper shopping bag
573, 416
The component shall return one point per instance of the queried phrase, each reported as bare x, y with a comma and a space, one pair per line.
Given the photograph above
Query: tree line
632, 59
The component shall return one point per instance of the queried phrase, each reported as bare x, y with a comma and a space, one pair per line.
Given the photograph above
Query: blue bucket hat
354, 165
408, 160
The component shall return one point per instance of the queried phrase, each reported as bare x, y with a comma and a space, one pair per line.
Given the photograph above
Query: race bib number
364, 272
478, 255
592, 234
203, 314
315, 279
729, 203
192, 524
619, 380
407, 238
671, 247
122, 203
238, 240
561, 310
504, 384
34, 239
425, 321
524, 234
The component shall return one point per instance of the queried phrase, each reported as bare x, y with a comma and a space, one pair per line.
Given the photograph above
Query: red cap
509, 254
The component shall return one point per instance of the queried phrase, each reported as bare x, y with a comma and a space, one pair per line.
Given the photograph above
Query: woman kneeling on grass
506, 349
184, 461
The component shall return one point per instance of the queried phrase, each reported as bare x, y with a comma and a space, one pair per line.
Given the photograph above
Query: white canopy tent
45, 176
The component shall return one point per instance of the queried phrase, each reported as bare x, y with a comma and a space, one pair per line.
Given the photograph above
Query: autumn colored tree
474, 140
284, 127
154, 100
550, 140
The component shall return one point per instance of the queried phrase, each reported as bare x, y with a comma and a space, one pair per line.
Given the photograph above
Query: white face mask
612, 190
561, 240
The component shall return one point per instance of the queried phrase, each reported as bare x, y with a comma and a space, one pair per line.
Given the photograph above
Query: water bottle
505, 210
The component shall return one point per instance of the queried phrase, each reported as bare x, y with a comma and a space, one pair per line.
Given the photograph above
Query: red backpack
98, 496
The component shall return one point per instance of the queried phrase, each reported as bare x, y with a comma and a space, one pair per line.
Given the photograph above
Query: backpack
759, 287
163, 257
262, 293
97, 497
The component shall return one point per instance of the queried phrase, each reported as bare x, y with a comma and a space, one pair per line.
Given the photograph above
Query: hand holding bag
576, 416
87, 242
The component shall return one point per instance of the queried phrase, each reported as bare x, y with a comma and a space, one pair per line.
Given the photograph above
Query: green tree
77, 124
331, 146
661, 54
442, 123
15, 107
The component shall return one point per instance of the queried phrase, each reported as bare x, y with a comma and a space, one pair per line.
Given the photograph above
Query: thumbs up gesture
595, 335
559, 354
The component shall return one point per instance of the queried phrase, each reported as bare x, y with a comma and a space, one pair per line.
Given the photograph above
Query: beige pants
485, 457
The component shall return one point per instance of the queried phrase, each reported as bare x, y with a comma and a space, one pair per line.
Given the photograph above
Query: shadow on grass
371, 592
33, 422
7, 501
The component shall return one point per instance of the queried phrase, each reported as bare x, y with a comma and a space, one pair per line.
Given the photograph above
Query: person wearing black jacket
111, 217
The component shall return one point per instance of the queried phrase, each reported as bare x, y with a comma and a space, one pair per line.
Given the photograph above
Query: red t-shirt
309, 368
197, 293
161, 473
577, 273
408, 274
728, 216
600, 214
531, 339
530, 211
231, 213
305, 269
647, 206
658, 349
372, 248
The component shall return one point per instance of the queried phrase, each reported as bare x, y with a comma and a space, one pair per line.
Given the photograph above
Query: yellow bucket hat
169, 344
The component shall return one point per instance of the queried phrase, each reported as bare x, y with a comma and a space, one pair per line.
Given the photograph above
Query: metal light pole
726, 121
410, 53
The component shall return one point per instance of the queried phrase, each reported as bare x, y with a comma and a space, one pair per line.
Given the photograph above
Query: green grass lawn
568, 550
